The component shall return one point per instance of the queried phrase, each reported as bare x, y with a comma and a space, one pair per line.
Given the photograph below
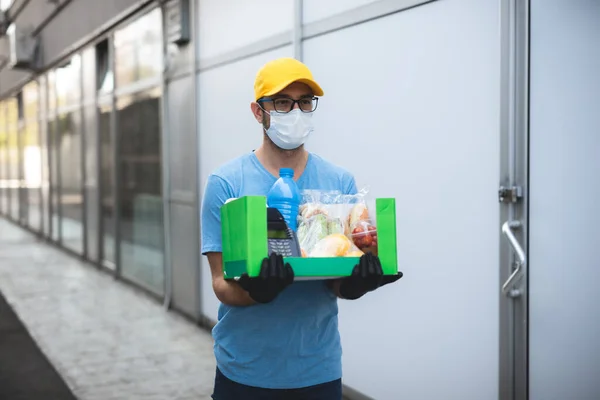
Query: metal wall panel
564, 230
227, 130
253, 21
184, 259
416, 120
179, 59
315, 10
182, 139
183, 184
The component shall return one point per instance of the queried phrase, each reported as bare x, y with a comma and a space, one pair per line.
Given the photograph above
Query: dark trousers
226, 389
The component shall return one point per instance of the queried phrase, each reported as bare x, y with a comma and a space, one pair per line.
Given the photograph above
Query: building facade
113, 113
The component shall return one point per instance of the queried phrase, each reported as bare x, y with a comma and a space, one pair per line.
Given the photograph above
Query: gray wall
70, 28
182, 190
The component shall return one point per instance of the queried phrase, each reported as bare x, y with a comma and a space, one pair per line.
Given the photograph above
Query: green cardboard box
244, 235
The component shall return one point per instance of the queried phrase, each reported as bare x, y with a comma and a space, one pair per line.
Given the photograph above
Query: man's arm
228, 292
216, 192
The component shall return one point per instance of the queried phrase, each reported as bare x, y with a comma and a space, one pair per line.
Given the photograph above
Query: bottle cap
286, 173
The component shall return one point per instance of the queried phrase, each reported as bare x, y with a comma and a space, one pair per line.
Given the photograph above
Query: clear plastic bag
330, 224
364, 236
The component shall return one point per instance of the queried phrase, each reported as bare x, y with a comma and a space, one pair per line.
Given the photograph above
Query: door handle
508, 288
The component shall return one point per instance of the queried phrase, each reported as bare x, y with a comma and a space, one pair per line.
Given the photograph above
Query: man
275, 339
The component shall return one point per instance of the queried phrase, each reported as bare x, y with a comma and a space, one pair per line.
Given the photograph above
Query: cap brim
314, 86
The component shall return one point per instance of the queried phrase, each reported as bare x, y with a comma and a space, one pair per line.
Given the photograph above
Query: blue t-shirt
293, 341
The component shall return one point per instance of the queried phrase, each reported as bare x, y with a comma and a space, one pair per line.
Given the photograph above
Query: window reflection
3, 160
68, 127
51, 91
107, 207
125, 67
53, 145
138, 49
104, 71
71, 182
54, 178
5, 4
45, 176
140, 196
150, 45
68, 82
32, 156
12, 184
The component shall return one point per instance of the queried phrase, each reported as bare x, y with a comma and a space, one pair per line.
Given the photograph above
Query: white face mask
290, 131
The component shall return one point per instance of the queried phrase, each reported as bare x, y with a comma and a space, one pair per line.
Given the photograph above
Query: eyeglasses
285, 104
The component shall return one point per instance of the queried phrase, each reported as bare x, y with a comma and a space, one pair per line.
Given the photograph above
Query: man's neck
274, 158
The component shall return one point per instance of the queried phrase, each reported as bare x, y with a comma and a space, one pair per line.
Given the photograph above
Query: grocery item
334, 245
327, 217
311, 231
354, 253
364, 236
285, 196
359, 212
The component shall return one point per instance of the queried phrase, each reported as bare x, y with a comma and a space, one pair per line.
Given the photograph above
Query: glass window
5, 4
107, 168
32, 156
71, 182
138, 49
22, 189
53, 145
12, 119
54, 162
125, 56
69, 131
51, 91
150, 45
45, 175
104, 73
68, 83
140, 190
3, 161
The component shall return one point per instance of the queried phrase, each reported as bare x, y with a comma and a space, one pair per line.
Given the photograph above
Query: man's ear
257, 111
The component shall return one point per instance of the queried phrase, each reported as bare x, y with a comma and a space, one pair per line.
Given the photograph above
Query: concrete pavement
107, 340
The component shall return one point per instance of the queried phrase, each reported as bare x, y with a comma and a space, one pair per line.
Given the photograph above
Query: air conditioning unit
22, 46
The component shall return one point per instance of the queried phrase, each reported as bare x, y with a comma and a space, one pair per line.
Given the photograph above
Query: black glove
366, 277
273, 278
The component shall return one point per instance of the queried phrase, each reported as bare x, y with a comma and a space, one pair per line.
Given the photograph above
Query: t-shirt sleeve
349, 184
216, 192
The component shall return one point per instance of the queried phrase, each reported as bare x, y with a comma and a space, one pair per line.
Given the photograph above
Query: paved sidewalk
107, 340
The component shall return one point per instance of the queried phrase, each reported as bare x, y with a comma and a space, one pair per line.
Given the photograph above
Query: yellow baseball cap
276, 75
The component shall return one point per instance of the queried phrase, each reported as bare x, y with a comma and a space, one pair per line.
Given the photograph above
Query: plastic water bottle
285, 196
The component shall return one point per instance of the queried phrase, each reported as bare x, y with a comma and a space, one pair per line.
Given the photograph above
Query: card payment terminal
281, 239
